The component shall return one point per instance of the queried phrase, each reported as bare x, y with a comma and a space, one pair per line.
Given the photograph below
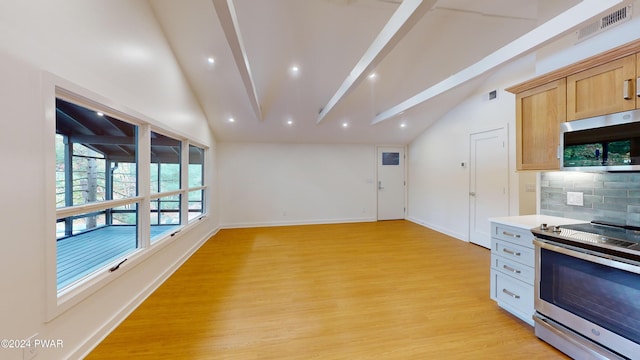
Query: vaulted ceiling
349, 71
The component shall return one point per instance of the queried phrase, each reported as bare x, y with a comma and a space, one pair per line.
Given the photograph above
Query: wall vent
617, 16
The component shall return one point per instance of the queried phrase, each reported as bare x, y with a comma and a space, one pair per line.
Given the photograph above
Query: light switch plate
575, 198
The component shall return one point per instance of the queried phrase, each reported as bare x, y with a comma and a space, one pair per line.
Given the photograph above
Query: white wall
113, 48
277, 184
437, 186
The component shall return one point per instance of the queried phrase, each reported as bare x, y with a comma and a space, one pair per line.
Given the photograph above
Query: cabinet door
539, 113
603, 89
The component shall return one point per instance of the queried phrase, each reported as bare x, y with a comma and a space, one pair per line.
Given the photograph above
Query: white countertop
531, 221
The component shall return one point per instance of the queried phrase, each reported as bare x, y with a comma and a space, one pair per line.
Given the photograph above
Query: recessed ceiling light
372, 76
345, 124
403, 125
100, 113
289, 122
232, 120
294, 71
211, 60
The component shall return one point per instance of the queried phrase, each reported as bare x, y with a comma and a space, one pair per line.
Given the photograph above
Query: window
95, 242
96, 191
390, 158
121, 186
165, 163
165, 180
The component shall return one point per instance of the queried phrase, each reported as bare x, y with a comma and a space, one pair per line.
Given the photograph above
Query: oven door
597, 297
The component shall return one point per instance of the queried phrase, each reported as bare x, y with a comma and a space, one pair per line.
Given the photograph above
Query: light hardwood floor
383, 290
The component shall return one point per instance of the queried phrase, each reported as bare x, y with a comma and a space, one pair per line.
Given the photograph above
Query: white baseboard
295, 222
102, 332
439, 229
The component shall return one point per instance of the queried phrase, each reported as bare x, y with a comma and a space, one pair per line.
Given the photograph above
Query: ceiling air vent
617, 16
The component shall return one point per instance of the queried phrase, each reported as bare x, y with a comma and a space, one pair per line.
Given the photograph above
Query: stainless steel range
587, 289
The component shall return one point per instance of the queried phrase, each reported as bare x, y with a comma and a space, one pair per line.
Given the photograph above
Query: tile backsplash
613, 197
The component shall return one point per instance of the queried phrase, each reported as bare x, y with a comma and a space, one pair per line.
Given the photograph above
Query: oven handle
591, 256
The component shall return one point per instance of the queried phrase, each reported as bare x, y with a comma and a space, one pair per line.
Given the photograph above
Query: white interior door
489, 181
391, 183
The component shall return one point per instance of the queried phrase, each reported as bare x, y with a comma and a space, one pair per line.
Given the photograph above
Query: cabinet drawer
514, 296
510, 251
517, 270
512, 234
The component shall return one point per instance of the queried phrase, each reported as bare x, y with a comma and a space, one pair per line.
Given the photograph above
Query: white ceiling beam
536, 38
229, 20
405, 17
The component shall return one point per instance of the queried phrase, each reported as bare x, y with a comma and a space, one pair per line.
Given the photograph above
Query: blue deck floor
80, 255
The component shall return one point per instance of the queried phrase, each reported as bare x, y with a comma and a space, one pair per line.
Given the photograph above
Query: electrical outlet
575, 198
31, 350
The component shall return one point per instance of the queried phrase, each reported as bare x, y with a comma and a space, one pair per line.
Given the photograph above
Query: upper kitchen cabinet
603, 89
602, 84
539, 113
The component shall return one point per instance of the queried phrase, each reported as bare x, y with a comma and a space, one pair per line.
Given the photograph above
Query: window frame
54, 87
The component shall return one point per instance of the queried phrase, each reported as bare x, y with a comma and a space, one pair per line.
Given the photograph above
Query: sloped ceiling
336, 45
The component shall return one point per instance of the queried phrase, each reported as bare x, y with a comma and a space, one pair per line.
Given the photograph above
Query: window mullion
144, 185
184, 183
68, 174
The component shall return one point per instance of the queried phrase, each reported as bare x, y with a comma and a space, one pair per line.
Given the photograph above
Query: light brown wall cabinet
539, 113
603, 84
604, 89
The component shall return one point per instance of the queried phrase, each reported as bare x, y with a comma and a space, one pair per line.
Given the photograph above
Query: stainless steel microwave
604, 143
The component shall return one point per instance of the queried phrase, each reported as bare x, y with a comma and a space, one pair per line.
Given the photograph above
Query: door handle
626, 90
380, 187
472, 193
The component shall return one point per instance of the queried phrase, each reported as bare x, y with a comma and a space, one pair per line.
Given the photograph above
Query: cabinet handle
509, 268
626, 90
506, 233
511, 252
637, 89
511, 294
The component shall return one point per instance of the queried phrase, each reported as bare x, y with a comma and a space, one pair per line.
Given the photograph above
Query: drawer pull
511, 252
506, 233
511, 294
509, 268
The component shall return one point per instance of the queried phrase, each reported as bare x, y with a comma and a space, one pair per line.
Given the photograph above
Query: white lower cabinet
512, 270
